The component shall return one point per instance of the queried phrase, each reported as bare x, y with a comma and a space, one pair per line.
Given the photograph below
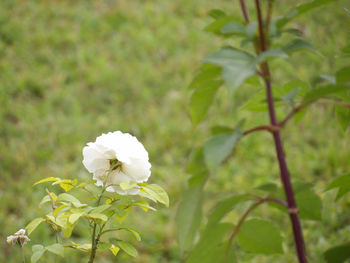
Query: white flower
18, 238
117, 157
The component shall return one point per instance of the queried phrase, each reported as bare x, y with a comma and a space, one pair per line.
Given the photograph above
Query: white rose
120, 157
18, 238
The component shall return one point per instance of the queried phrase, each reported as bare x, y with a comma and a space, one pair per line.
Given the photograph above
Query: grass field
70, 70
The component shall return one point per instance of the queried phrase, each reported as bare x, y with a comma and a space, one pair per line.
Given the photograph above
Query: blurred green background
70, 70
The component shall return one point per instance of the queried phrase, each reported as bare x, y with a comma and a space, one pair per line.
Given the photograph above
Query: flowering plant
120, 167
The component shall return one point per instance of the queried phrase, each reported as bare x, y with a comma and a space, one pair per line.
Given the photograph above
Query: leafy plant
122, 169
261, 41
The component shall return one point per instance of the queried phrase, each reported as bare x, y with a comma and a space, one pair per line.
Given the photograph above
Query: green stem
23, 257
94, 240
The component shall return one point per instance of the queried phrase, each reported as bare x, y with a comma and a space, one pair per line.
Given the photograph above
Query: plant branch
285, 177
268, 128
248, 212
244, 11
94, 239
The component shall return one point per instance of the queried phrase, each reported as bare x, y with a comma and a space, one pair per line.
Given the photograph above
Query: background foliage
71, 70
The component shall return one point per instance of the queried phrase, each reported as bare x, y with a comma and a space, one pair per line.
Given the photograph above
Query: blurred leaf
260, 236
38, 251
202, 98
100, 208
218, 253
205, 73
143, 205
324, 91
221, 129
209, 241
100, 216
233, 28
301, 9
55, 212
342, 183
216, 13
271, 53
343, 116
338, 254
268, 187
237, 65
343, 75
216, 26
104, 246
309, 204
134, 232
219, 147
57, 249
45, 199
224, 207
34, 224
188, 217
48, 179
128, 248
299, 44
196, 166
114, 250
73, 218
157, 192
121, 214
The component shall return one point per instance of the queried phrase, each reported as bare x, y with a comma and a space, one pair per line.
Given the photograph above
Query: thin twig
244, 11
247, 213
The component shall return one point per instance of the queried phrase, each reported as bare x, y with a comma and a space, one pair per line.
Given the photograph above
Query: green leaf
233, 28
38, 251
188, 217
268, 187
325, 91
45, 199
100, 216
48, 179
216, 13
205, 73
134, 232
343, 116
237, 65
309, 204
157, 192
114, 250
342, 183
57, 249
128, 248
122, 214
75, 217
210, 240
338, 254
202, 98
143, 205
299, 44
68, 198
271, 53
260, 236
219, 253
224, 207
58, 209
196, 166
34, 224
301, 9
219, 147
216, 26
343, 75
100, 208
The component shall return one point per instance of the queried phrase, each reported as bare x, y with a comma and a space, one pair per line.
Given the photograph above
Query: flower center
114, 164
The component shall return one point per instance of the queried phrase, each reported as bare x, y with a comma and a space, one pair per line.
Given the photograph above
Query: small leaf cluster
66, 210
